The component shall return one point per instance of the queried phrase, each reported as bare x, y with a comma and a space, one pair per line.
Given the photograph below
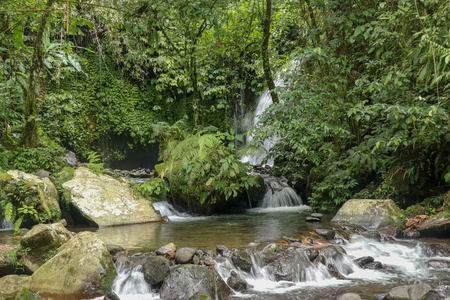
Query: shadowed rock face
105, 201
438, 225
82, 264
369, 213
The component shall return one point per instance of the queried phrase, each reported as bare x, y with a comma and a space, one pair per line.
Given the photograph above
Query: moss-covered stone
371, 214
83, 262
11, 285
104, 201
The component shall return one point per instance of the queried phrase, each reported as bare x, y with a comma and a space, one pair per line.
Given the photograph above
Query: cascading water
6, 225
130, 284
278, 193
166, 209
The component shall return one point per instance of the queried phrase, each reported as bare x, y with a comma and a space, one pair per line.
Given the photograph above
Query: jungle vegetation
364, 111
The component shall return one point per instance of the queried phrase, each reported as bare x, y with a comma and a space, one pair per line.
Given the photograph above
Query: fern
9, 212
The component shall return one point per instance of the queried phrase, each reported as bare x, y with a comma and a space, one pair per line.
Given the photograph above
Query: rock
438, 264
436, 250
370, 214
290, 240
242, 260
7, 263
312, 253
71, 158
349, 296
105, 201
43, 174
167, 250
412, 234
327, 233
81, 265
42, 240
312, 219
11, 285
413, 292
45, 201
63, 222
184, 255
317, 215
252, 245
438, 225
376, 265
256, 193
155, 269
114, 249
223, 251
111, 296
236, 282
362, 261
185, 281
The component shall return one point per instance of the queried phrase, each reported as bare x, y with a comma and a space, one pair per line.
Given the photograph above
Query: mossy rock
371, 214
82, 265
12, 285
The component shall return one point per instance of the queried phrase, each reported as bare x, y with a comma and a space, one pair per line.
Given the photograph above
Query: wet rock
196, 260
223, 251
312, 253
252, 245
236, 282
312, 219
370, 214
184, 255
111, 296
185, 281
83, 263
414, 292
362, 261
326, 233
11, 285
438, 264
155, 269
376, 265
114, 249
42, 240
438, 225
436, 250
412, 234
104, 201
242, 260
349, 296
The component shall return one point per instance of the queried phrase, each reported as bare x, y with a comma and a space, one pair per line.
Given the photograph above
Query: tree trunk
265, 52
37, 62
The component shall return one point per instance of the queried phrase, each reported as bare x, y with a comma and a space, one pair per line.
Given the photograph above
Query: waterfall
6, 225
278, 193
166, 209
130, 284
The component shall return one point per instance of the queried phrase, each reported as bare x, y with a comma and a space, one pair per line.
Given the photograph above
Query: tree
267, 20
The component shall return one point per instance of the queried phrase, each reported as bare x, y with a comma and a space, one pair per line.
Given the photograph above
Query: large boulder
155, 269
82, 268
104, 201
185, 281
42, 242
11, 285
438, 225
40, 193
371, 214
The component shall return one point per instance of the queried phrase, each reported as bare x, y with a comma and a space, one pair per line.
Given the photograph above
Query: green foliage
18, 201
369, 103
155, 188
94, 163
31, 160
204, 169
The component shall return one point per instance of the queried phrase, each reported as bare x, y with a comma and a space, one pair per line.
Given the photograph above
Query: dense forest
362, 109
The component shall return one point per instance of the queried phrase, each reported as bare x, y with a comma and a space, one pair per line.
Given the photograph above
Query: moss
397, 218
5, 177
108, 278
